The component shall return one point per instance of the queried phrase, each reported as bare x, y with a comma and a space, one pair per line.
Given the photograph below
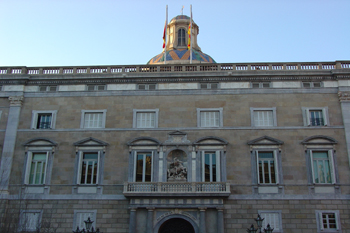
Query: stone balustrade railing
154, 188
233, 67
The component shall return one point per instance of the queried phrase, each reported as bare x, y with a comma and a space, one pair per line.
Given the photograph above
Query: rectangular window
260, 85
267, 168
143, 167
93, 119
88, 167
38, 168
96, 87
152, 86
82, 215
209, 117
273, 218
322, 167
43, 119
328, 221
30, 221
145, 118
48, 88
315, 116
263, 118
211, 166
311, 84
209, 85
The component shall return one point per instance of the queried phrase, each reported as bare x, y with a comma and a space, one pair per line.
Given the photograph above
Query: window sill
36, 189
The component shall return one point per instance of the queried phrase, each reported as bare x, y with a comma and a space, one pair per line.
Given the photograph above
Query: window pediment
265, 140
90, 143
319, 140
40, 142
143, 141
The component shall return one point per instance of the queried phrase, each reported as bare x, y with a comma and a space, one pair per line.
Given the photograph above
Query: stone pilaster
9, 142
220, 220
202, 225
344, 99
132, 223
150, 219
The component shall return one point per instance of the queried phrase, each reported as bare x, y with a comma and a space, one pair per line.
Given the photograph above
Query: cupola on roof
176, 51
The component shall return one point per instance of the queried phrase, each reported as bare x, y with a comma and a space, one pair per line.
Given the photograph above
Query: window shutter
312, 166
152, 166
321, 221
307, 114
218, 169
331, 165
324, 117
275, 153
257, 166
203, 165
336, 220
29, 163
98, 166
45, 169
80, 155
135, 163
35, 120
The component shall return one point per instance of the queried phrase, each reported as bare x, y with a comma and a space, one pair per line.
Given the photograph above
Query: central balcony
133, 189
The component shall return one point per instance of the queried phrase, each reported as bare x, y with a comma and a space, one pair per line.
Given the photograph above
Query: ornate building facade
176, 147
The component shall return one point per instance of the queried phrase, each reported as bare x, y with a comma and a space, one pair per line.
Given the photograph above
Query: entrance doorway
176, 225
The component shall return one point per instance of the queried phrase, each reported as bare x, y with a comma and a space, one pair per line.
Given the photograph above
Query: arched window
181, 37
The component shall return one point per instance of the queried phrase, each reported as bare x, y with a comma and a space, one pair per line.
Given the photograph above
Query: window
273, 218
263, 117
315, 116
322, 167
267, 172
328, 221
82, 215
311, 84
143, 166
43, 119
209, 85
211, 166
145, 118
266, 164
93, 119
181, 37
88, 170
152, 86
260, 85
36, 167
48, 88
96, 87
209, 117
30, 220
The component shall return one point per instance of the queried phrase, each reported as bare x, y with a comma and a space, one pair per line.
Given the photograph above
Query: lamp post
259, 222
89, 229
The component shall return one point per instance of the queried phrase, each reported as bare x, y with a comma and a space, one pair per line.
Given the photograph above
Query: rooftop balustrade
233, 67
176, 188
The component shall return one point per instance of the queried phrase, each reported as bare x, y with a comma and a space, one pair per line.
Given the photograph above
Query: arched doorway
176, 225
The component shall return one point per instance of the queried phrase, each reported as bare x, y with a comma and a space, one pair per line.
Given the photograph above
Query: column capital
132, 208
16, 100
220, 208
202, 208
150, 208
344, 96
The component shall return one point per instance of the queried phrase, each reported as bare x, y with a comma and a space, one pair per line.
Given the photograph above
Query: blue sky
113, 32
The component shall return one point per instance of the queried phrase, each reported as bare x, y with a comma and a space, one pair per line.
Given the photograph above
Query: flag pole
190, 37
165, 32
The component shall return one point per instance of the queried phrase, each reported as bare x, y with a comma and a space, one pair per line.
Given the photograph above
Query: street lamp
88, 224
259, 222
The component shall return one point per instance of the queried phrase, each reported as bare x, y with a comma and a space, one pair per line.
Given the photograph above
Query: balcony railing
177, 189
231, 67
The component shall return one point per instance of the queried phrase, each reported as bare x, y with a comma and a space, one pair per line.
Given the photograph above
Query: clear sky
113, 32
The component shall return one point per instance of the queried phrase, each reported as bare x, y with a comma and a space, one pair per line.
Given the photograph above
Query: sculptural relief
177, 169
